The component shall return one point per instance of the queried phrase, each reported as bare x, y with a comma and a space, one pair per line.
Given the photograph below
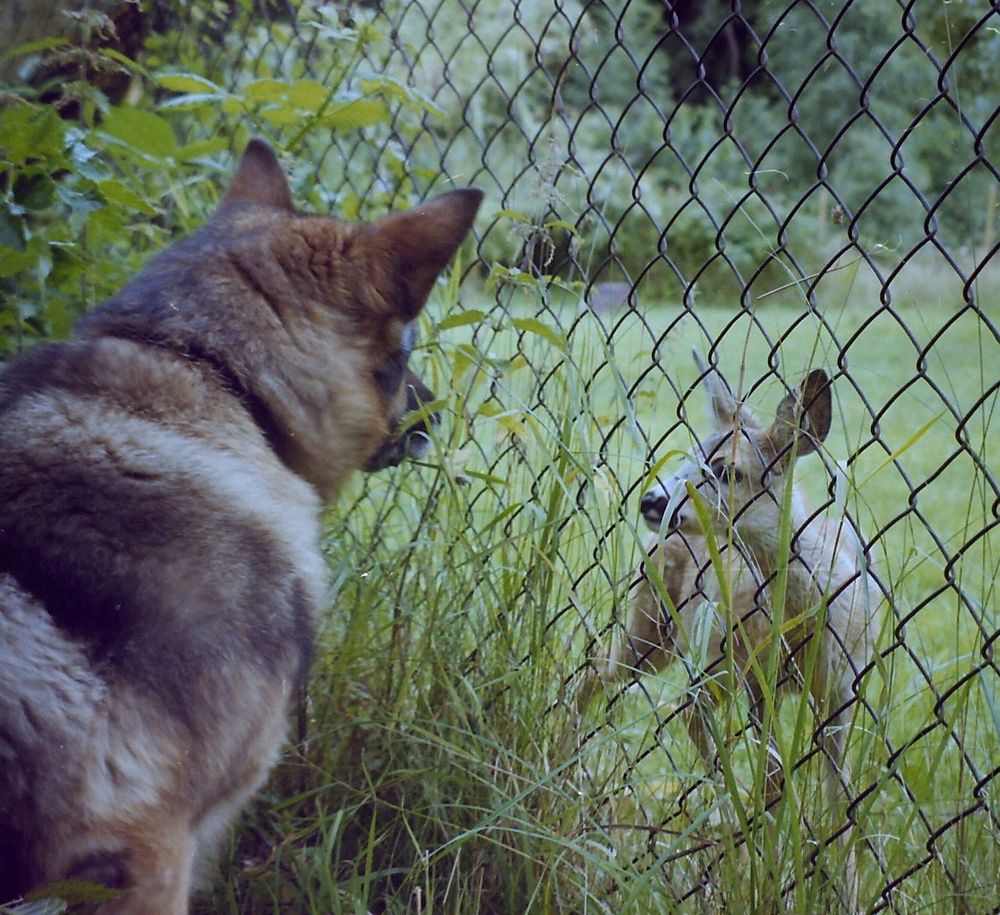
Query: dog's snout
414, 443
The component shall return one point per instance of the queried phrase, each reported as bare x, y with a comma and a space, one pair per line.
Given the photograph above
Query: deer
811, 596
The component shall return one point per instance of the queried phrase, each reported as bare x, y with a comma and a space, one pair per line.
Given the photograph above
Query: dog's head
377, 278
311, 320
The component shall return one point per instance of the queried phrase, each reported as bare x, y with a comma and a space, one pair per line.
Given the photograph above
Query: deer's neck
791, 565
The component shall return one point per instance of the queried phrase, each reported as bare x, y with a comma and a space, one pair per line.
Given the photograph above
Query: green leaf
87, 163
400, 92
30, 133
34, 192
80, 205
125, 61
515, 215
11, 229
362, 112
74, 892
30, 47
141, 131
490, 478
188, 82
461, 319
198, 100
562, 224
12, 262
534, 326
304, 94
115, 192
202, 148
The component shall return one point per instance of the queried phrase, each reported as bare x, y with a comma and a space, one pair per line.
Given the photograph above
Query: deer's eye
723, 471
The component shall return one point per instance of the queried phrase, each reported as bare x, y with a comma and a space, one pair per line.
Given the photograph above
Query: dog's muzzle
415, 442
412, 445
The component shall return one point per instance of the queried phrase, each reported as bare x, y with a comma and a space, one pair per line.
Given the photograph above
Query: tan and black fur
161, 477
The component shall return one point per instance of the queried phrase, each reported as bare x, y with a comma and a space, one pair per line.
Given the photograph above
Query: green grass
438, 765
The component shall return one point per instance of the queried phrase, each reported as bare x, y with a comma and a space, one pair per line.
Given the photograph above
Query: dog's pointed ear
421, 241
259, 180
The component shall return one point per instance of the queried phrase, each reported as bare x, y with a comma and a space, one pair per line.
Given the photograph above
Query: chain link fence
781, 186
807, 184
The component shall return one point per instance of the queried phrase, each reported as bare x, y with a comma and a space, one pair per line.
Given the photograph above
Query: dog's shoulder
132, 471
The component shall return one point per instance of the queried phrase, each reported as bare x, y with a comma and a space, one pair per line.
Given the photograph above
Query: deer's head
739, 470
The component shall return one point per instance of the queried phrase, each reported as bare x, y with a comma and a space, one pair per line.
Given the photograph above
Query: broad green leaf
12, 262
304, 94
266, 90
202, 148
34, 192
30, 47
188, 82
30, 133
142, 131
461, 319
87, 163
124, 60
362, 112
116, 192
534, 326
197, 100
281, 115
398, 91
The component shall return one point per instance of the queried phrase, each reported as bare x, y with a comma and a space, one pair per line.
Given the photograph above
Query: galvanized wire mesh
804, 183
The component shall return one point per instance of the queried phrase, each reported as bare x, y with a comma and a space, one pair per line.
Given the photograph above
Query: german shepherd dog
161, 478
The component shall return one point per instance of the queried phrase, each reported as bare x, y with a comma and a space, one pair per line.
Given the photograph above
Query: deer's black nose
653, 506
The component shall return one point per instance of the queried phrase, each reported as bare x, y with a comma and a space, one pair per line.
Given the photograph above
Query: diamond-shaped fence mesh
803, 184
781, 186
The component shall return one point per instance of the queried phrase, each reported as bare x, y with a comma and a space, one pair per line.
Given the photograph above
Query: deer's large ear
258, 180
804, 414
725, 411
421, 241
